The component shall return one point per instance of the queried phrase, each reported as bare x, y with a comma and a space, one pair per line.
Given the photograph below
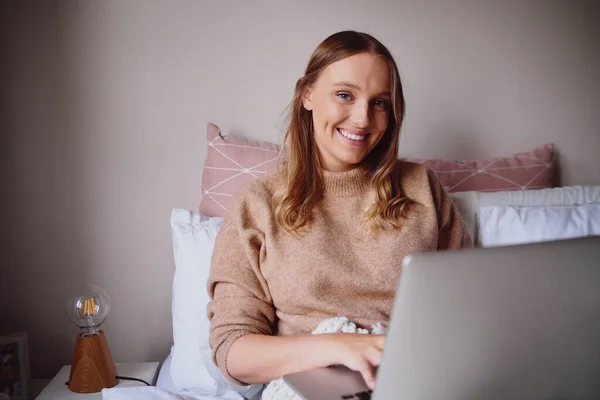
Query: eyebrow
353, 86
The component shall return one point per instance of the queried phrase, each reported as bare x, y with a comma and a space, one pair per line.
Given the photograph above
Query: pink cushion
532, 169
233, 161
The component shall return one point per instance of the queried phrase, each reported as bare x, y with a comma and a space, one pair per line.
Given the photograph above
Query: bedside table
57, 389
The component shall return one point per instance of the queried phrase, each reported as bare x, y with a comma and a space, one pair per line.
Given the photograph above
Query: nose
360, 114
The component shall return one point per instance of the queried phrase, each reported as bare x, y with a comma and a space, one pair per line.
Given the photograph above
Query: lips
352, 136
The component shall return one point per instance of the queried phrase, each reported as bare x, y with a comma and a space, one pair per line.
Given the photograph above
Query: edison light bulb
88, 309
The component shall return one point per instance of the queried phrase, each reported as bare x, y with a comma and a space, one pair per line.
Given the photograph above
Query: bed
494, 217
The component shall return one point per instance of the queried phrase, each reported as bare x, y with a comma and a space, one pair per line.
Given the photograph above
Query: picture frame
14, 366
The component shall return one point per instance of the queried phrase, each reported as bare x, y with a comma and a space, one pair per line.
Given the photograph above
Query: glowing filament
89, 308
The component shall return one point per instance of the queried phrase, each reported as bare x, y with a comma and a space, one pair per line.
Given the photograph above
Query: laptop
518, 322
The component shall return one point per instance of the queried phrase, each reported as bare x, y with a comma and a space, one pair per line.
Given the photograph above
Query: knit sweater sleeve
452, 232
240, 300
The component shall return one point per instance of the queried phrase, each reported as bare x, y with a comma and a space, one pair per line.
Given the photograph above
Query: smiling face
350, 104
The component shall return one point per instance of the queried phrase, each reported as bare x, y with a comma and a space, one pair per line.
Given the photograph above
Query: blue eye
344, 96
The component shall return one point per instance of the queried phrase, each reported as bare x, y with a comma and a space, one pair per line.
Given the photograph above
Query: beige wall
104, 106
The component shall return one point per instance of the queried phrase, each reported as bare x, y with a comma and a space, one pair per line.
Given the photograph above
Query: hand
359, 352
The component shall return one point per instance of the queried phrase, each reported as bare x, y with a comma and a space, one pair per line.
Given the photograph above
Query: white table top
57, 389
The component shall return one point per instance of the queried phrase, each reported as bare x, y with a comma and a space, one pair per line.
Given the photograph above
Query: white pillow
192, 367
528, 216
560, 196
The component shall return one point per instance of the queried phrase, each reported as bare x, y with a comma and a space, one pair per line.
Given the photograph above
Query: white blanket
154, 393
166, 389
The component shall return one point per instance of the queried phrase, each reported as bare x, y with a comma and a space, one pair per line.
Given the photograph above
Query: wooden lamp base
93, 368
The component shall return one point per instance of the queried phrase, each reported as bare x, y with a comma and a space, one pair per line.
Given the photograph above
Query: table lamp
93, 368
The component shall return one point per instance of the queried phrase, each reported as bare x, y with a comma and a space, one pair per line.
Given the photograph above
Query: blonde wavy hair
301, 172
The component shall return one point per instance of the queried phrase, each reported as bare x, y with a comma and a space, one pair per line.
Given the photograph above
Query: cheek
338, 113
328, 112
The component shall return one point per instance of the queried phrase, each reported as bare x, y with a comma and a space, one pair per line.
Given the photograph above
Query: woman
326, 235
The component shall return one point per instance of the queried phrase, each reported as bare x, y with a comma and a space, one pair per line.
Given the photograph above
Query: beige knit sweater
266, 281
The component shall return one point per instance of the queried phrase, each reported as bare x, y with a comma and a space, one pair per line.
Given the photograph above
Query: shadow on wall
44, 226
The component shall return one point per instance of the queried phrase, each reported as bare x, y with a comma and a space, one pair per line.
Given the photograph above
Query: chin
351, 161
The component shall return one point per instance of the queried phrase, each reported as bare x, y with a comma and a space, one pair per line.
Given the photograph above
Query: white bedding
146, 393
498, 218
154, 393
526, 216
277, 390
165, 389
518, 217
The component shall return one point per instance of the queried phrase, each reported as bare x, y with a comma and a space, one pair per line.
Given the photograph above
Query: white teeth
352, 136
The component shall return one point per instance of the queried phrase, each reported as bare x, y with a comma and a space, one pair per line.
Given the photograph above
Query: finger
368, 375
374, 354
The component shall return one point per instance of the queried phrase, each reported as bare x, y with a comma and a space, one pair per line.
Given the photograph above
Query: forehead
366, 70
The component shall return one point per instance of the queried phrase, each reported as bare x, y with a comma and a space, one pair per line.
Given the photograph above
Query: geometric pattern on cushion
230, 163
532, 169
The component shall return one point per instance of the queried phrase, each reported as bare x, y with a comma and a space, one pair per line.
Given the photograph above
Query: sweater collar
348, 183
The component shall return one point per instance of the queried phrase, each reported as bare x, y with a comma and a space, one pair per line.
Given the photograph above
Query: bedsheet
165, 389
155, 393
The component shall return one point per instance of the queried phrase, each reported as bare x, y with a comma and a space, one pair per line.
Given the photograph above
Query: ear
307, 98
